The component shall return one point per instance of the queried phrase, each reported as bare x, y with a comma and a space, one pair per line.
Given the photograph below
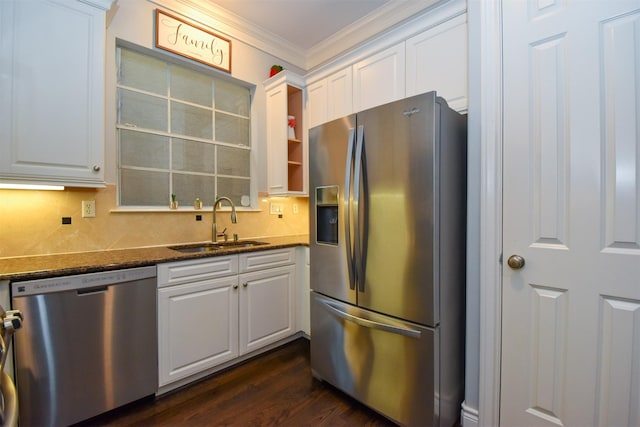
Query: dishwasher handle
89, 291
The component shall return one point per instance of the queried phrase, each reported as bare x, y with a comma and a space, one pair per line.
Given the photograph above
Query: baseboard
469, 416
205, 373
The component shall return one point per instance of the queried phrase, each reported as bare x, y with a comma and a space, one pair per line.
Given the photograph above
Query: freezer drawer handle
372, 324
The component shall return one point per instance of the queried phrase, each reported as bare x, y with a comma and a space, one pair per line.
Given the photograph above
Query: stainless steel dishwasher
89, 344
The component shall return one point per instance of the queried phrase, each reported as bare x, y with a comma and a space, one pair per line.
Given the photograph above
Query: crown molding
101, 4
448, 13
370, 27
382, 20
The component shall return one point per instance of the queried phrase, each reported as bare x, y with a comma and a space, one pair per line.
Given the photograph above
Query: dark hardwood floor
273, 389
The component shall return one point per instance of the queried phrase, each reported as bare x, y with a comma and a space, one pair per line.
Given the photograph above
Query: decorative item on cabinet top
275, 69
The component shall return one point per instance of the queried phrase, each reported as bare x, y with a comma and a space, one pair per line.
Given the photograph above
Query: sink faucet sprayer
234, 218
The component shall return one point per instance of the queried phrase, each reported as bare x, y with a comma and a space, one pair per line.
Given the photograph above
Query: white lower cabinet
267, 313
198, 327
197, 316
214, 310
267, 297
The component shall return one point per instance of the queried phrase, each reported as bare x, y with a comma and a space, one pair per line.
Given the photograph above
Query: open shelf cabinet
287, 152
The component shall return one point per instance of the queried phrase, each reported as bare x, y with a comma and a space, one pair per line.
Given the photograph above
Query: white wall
133, 21
472, 344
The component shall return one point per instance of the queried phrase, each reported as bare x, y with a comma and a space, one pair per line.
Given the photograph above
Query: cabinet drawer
266, 259
174, 273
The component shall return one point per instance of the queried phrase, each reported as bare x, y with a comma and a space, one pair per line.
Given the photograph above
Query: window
181, 132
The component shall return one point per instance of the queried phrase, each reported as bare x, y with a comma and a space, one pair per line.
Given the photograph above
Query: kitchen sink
240, 244
212, 247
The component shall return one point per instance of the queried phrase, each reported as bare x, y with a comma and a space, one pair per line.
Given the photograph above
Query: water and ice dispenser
327, 214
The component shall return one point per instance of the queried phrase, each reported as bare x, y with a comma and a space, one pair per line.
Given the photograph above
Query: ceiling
310, 32
304, 23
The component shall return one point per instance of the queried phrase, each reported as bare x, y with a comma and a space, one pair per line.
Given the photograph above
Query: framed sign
176, 35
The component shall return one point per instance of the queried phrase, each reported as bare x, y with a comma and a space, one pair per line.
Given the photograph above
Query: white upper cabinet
340, 94
426, 54
330, 98
52, 60
437, 60
317, 108
287, 148
379, 79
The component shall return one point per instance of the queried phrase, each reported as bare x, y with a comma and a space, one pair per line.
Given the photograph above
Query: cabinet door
277, 139
267, 307
317, 103
303, 290
286, 151
437, 60
197, 327
52, 86
379, 79
330, 98
340, 94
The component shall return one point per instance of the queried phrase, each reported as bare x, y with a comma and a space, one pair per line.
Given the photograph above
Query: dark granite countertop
43, 266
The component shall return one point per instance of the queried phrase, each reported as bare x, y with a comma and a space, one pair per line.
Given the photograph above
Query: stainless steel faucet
234, 218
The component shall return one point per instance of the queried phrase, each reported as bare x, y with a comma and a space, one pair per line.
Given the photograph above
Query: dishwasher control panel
81, 281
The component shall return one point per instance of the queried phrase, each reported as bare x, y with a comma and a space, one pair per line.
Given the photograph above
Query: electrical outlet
88, 209
295, 208
276, 208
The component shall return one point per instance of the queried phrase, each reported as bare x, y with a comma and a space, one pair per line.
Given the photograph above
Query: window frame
215, 74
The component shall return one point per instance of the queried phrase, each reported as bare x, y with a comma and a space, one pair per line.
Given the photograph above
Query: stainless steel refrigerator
387, 245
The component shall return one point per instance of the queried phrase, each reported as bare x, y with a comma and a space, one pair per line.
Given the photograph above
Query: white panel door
571, 315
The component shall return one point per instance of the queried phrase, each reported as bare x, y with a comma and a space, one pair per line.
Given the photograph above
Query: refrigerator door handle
347, 209
360, 214
359, 254
371, 323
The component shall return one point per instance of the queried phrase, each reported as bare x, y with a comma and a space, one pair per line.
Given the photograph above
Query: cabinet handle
96, 168
235, 286
245, 285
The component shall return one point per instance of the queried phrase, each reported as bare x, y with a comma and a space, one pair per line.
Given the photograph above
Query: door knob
516, 262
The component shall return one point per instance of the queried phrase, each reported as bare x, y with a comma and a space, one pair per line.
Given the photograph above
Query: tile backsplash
31, 222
